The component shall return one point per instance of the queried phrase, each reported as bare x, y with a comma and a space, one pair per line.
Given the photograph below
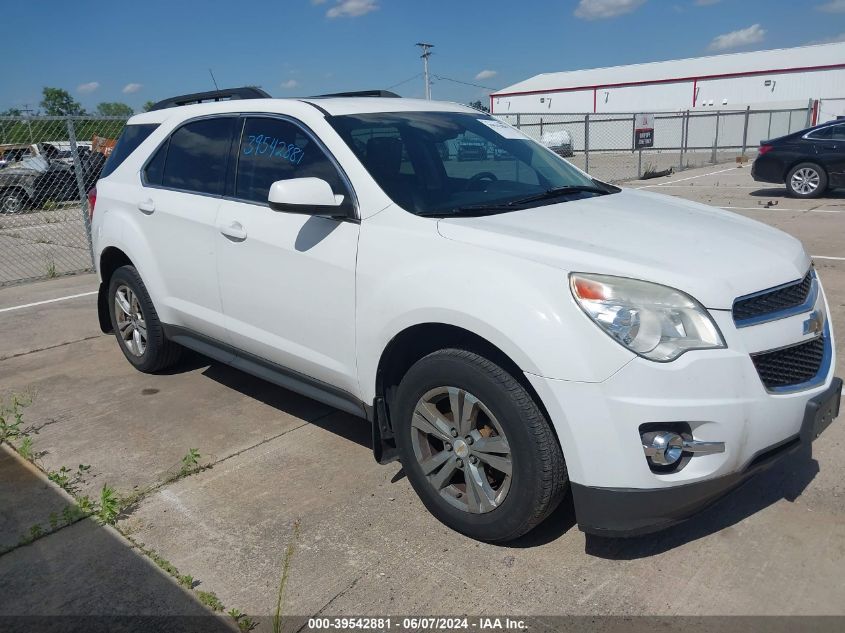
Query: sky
135, 52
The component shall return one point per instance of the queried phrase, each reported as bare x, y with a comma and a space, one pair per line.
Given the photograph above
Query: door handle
146, 206
234, 231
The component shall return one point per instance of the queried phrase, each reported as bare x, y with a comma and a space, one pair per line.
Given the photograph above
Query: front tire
806, 180
476, 448
136, 325
13, 201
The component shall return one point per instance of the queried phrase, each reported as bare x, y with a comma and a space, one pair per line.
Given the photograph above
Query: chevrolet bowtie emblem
815, 324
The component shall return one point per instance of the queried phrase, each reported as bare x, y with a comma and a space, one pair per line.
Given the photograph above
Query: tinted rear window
130, 139
197, 154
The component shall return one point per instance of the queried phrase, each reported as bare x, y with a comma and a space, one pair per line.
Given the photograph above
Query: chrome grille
790, 366
781, 299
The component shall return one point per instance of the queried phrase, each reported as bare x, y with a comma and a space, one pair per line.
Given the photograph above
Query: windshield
453, 163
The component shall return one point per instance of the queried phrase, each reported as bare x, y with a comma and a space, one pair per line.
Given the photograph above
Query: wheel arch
417, 341
111, 259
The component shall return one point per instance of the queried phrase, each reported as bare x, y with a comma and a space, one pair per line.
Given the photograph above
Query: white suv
512, 328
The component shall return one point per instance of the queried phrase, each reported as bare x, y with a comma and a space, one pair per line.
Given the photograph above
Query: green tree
149, 106
478, 106
114, 109
11, 112
58, 102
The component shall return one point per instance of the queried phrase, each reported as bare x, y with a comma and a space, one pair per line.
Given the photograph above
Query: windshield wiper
555, 192
513, 205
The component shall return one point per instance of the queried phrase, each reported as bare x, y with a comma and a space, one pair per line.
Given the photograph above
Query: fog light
665, 448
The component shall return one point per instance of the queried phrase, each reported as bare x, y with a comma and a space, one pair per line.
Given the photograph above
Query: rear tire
137, 328
806, 180
495, 470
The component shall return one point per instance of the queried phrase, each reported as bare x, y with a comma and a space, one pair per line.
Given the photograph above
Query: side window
196, 156
131, 137
274, 149
820, 135
154, 171
838, 133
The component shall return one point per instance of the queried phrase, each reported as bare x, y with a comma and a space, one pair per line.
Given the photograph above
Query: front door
287, 281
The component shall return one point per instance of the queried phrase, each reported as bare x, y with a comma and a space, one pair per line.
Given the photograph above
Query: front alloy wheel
475, 446
462, 449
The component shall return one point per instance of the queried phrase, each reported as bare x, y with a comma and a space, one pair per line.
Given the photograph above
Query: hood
709, 253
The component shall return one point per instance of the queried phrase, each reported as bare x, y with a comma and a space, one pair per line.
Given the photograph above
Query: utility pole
426, 48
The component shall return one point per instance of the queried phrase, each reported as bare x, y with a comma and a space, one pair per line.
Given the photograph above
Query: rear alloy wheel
806, 180
476, 447
135, 322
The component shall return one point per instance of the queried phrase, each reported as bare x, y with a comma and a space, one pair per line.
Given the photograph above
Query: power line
465, 83
403, 82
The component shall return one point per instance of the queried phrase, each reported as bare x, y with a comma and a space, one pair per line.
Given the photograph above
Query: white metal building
782, 78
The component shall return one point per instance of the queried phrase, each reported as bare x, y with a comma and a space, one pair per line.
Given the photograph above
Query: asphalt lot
288, 471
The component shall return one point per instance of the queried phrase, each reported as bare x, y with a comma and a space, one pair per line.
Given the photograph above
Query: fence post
809, 113
80, 184
518, 122
541, 129
789, 125
633, 132
681, 143
769, 132
745, 130
587, 143
716, 139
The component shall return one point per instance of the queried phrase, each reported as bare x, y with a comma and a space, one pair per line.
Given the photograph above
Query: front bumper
631, 511
717, 393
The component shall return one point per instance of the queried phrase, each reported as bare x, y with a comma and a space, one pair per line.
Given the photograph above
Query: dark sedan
808, 162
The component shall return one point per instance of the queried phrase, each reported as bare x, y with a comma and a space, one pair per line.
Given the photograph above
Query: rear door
288, 281
831, 152
184, 182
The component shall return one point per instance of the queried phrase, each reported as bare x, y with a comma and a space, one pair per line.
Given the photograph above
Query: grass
52, 273
280, 598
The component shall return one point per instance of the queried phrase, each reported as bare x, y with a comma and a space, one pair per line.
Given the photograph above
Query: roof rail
246, 92
360, 93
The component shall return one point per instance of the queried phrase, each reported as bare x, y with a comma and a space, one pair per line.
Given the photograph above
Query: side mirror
309, 196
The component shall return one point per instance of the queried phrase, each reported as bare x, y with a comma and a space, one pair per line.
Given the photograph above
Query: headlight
654, 321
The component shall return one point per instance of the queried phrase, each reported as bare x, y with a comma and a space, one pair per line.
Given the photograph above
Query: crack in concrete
49, 347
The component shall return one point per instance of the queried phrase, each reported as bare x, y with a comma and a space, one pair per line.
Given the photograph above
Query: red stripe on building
749, 73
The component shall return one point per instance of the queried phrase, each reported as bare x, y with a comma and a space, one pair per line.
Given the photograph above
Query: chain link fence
603, 144
47, 165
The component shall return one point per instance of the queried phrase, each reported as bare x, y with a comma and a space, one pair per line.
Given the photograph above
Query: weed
11, 415
25, 448
190, 462
280, 599
54, 521
109, 505
244, 623
66, 479
187, 581
36, 532
210, 599
52, 273
60, 477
